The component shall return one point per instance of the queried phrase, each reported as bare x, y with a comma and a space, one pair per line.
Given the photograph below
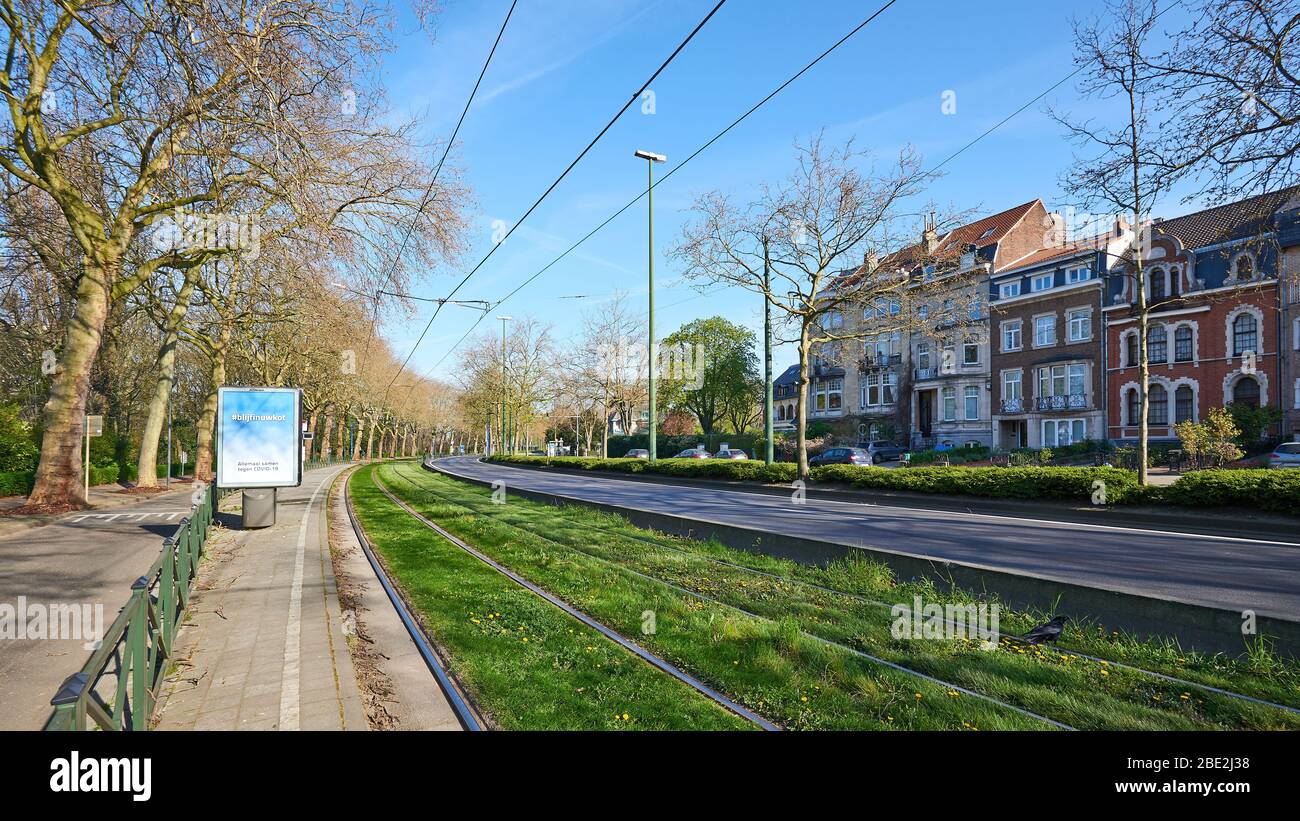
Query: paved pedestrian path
264, 646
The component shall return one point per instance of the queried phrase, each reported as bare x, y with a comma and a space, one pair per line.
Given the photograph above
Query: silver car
1287, 455
637, 453
731, 454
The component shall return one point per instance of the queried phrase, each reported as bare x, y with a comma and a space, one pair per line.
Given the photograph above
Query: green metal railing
118, 687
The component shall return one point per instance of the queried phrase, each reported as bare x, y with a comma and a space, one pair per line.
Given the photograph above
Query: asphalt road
1220, 571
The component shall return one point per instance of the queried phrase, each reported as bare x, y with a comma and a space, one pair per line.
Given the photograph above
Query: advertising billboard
259, 437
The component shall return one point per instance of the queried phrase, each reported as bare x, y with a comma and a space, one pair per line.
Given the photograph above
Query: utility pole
651, 158
768, 448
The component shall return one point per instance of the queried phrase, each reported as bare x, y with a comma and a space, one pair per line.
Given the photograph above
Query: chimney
930, 236
1121, 225
870, 261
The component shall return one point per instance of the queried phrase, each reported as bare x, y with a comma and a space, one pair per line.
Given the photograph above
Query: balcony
1013, 406
923, 374
1062, 402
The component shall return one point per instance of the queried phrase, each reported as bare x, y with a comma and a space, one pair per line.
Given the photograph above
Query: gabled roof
788, 377
981, 233
1235, 220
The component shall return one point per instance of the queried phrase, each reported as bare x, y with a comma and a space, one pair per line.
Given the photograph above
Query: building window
1041, 282
1009, 289
1061, 380
1184, 404
972, 402
780, 413
924, 311
1044, 331
1075, 275
1060, 432
970, 352
950, 404
1246, 391
1183, 343
923, 355
1080, 325
1244, 267
1245, 334
1157, 344
879, 389
1158, 406
1134, 404
835, 393
1156, 279
1012, 390
1011, 336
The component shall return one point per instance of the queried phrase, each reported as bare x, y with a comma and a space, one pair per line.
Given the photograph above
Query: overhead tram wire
675, 169
429, 195
636, 95
933, 170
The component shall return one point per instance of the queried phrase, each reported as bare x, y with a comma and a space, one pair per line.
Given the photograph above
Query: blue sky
564, 67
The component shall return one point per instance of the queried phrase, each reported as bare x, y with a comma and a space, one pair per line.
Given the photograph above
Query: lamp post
504, 388
651, 158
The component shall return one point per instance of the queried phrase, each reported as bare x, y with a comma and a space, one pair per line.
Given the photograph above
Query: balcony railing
926, 373
1013, 406
1061, 402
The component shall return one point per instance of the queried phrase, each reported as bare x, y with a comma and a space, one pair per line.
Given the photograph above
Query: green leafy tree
708, 368
18, 450
1252, 422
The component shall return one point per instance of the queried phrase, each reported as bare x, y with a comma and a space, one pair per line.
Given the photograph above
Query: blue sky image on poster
257, 443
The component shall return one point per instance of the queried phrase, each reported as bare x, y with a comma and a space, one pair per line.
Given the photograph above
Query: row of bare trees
186, 181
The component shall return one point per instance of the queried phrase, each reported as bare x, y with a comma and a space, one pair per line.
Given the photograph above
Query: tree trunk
311, 428
325, 439
356, 443
370, 442
147, 461
207, 419
60, 474
802, 425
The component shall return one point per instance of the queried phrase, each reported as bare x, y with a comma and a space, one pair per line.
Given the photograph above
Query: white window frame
1014, 327
1042, 282
1081, 318
948, 398
1076, 275
1037, 342
1070, 423
971, 392
966, 345
1007, 290
1008, 393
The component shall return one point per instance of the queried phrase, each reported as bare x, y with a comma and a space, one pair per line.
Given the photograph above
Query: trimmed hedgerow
699, 468
1273, 490
1072, 484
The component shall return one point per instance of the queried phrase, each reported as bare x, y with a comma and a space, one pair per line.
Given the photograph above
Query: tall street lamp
651, 158
504, 389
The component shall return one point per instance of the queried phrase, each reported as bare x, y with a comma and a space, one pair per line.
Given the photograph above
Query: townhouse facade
1215, 328
1037, 345
1049, 371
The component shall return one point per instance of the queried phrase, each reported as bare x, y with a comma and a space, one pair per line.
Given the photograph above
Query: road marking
290, 707
139, 517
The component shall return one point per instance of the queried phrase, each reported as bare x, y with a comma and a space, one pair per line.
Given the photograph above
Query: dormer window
987, 233
1243, 267
1009, 289
1041, 282
1077, 275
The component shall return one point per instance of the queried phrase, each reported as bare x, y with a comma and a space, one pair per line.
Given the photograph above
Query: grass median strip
526, 664
770, 666
1061, 684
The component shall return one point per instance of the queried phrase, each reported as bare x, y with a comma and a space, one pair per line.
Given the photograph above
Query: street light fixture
651, 158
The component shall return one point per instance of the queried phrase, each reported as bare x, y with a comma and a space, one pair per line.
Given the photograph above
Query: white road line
290, 707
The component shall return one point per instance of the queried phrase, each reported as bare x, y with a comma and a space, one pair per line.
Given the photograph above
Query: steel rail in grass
612, 635
853, 650
1208, 688
133, 652
460, 704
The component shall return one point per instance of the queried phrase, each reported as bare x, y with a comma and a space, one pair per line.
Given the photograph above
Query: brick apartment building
1216, 329
1048, 366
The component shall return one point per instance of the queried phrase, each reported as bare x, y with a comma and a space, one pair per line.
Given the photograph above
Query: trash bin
259, 507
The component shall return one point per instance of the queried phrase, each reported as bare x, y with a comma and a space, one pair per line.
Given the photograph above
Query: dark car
841, 456
637, 453
731, 454
693, 453
882, 450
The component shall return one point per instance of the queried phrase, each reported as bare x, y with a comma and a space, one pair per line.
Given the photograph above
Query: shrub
103, 475
17, 482
1272, 490
1074, 484
18, 448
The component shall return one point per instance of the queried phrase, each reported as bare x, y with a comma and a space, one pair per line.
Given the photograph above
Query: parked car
882, 450
841, 456
694, 453
637, 453
1286, 455
731, 454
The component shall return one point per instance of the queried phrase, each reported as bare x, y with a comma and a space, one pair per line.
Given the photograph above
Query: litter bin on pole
259, 507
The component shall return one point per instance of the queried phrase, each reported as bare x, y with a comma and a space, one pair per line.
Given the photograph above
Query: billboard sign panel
259, 438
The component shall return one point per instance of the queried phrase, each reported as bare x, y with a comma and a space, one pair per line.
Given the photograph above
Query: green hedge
17, 482
1272, 490
701, 468
1071, 484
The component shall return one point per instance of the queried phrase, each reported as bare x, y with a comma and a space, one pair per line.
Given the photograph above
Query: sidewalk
263, 647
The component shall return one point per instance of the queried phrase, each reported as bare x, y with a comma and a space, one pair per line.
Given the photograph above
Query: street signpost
94, 427
259, 446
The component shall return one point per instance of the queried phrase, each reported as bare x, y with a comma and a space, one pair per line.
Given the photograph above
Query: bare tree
1126, 171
